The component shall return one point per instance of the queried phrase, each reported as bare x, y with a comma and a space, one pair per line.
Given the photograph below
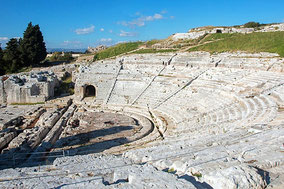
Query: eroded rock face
236, 177
27, 88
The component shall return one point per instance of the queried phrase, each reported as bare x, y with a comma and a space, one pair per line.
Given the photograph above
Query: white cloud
124, 23
138, 22
141, 21
81, 31
164, 12
172, 17
157, 16
72, 43
154, 17
4, 38
148, 18
127, 34
102, 29
106, 40
110, 31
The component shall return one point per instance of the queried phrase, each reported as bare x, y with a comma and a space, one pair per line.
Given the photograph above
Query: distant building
96, 49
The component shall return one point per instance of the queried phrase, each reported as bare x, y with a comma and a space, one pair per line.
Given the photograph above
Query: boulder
241, 176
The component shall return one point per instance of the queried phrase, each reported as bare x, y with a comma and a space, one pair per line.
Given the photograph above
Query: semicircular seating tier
213, 111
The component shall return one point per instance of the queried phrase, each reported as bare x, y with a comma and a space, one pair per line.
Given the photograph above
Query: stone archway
218, 31
90, 91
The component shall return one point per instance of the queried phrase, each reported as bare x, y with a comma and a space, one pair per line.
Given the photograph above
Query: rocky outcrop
236, 177
6, 137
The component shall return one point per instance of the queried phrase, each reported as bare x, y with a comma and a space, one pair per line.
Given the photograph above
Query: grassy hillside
117, 50
218, 36
255, 42
143, 51
152, 42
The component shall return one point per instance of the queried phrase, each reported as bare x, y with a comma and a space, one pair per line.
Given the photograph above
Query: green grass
198, 175
27, 103
152, 42
272, 42
66, 86
20, 70
218, 36
117, 50
142, 51
25, 69
171, 170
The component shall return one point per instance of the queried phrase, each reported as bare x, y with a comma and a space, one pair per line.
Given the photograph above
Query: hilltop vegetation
59, 56
218, 36
143, 51
214, 43
272, 42
118, 49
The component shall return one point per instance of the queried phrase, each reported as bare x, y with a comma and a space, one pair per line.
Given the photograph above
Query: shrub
66, 86
252, 25
58, 56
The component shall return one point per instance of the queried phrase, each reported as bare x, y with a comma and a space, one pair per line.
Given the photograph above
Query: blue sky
79, 24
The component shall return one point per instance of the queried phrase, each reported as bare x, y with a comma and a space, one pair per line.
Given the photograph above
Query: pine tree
12, 56
2, 70
32, 46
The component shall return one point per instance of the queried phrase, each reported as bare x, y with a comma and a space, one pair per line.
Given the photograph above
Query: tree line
24, 52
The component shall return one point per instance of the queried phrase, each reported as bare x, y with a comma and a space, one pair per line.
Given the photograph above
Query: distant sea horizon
51, 50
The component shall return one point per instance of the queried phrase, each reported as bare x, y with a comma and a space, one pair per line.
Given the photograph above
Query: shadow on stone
70, 185
18, 157
197, 184
84, 138
264, 174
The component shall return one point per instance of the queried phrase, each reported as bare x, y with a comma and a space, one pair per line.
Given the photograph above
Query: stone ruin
96, 49
27, 88
184, 120
199, 32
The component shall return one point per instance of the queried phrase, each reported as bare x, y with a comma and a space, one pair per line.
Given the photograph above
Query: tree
2, 63
12, 56
32, 46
